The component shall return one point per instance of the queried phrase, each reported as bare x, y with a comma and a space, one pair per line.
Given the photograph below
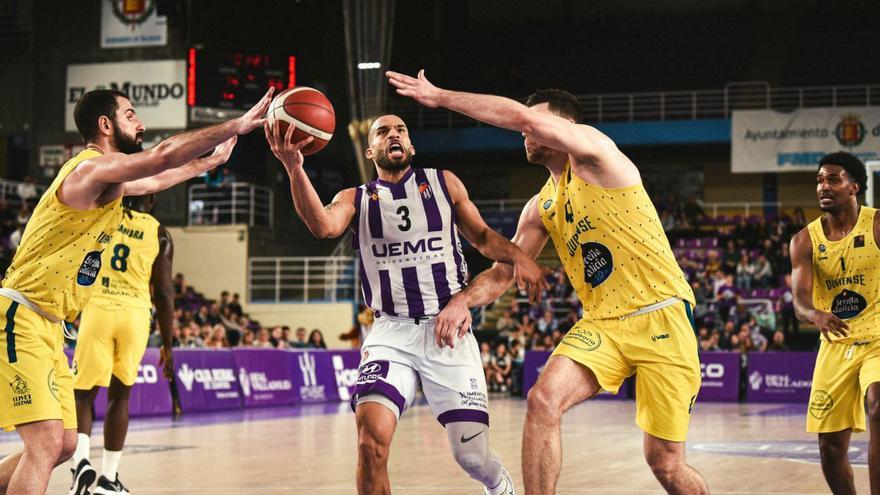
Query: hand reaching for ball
256, 116
284, 148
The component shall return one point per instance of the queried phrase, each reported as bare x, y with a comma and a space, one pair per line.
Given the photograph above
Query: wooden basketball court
739, 449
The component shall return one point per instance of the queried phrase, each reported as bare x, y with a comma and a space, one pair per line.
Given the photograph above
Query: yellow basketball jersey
57, 263
846, 276
612, 246
128, 264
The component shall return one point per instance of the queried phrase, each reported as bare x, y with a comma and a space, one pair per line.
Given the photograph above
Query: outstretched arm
491, 244
802, 289
92, 177
163, 297
455, 319
174, 176
551, 130
322, 221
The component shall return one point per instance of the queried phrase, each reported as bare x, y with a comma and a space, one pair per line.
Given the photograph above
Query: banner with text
126, 23
720, 376
206, 380
534, 363
156, 89
780, 376
769, 141
265, 377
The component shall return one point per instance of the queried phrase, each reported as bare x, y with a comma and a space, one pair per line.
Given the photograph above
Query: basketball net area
872, 167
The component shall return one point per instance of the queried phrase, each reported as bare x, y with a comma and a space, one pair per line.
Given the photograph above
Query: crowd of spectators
13, 218
202, 323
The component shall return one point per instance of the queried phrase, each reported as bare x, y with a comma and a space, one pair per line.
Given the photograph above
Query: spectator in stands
247, 339
276, 338
233, 328
501, 367
763, 276
745, 235
547, 324
235, 305
263, 339
783, 261
667, 220
745, 272
201, 317
517, 356
694, 212
179, 288
505, 324
730, 257
785, 308
316, 340
778, 343
758, 339
726, 339
217, 338
526, 325
300, 341
713, 262
24, 214
8, 218
224, 301
569, 321
15, 238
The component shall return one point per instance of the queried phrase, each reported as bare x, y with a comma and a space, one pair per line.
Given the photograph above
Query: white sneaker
503, 488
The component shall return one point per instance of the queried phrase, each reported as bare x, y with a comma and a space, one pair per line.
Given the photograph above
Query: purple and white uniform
410, 265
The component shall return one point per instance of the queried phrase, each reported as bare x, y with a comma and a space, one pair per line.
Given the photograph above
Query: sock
111, 464
83, 444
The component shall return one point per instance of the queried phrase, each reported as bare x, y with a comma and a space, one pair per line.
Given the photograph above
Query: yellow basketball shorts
34, 367
111, 342
840, 381
660, 348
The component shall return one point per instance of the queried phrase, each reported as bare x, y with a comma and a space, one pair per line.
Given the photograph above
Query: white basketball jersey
410, 253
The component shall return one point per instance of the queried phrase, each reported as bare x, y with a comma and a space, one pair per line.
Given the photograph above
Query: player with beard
836, 286
637, 302
59, 259
405, 226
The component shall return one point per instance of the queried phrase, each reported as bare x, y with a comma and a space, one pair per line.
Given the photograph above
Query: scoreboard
221, 84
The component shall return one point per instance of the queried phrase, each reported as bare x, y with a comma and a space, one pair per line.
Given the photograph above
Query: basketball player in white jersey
405, 226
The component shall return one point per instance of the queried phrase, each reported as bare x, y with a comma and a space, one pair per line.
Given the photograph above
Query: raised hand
285, 149
418, 88
256, 116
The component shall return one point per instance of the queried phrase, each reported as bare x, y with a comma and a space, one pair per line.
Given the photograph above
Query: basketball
310, 111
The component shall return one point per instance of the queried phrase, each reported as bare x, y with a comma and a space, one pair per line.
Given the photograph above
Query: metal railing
674, 105
230, 204
10, 192
303, 279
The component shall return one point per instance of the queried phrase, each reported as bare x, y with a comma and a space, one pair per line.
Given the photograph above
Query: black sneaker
107, 487
83, 477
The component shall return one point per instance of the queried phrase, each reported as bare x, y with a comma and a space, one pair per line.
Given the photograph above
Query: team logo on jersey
821, 403
850, 131
848, 304
21, 392
583, 339
859, 241
569, 213
598, 263
822, 248
88, 270
548, 204
425, 190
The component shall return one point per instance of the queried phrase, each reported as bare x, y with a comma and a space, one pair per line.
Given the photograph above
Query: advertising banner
345, 371
780, 376
206, 380
720, 376
770, 141
128, 23
265, 377
534, 363
156, 88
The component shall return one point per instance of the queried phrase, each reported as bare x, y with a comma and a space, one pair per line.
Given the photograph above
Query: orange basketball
309, 111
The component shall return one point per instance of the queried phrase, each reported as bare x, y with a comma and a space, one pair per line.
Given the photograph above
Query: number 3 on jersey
120, 256
403, 211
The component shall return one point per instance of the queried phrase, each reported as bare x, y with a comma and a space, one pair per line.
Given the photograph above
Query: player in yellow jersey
637, 303
836, 286
59, 260
114, 328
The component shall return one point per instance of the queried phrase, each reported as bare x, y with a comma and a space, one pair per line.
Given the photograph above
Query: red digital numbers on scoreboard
235, 80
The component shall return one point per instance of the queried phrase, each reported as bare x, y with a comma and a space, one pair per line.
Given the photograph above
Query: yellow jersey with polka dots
128, 264
612, 245
846, 276
59, 258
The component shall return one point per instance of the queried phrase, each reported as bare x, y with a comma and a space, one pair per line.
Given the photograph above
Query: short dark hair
854, 167
92, 106
560, 101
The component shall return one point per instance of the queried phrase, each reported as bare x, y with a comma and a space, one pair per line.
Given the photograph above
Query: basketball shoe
503, 488
83, 477
107, 487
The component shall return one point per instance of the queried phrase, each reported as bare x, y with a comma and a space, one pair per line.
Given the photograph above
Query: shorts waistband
653, 307
417, 320
24, 301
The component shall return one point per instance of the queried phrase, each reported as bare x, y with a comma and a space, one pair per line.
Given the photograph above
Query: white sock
111, 464
83, 444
